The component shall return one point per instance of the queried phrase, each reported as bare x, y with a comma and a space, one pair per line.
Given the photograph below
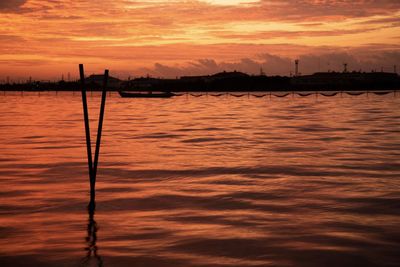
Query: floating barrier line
282, 95
293, 94
258, 95
216, 95
381, 93
355, 94
303, 95
324, 94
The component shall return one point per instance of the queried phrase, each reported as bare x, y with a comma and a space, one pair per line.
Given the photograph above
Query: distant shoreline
227, 82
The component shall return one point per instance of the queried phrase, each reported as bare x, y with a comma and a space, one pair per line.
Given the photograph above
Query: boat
146, 95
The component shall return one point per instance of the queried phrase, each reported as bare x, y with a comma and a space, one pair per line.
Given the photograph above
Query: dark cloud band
11, 4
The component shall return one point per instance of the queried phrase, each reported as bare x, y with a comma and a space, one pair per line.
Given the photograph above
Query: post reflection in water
92, 257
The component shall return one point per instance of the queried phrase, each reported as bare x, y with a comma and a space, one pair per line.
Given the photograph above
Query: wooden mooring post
100, 127
92, 166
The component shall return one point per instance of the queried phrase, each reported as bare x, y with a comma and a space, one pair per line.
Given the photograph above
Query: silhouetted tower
319, 64
296, 72
395, 69
344, 67
262, 73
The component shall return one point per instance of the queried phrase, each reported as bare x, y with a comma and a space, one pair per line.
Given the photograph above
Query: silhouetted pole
99, 129
87, 131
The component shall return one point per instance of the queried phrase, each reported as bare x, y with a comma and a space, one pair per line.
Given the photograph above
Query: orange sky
47, 38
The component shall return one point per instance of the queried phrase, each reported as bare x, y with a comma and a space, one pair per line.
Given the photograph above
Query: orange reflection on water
201, 181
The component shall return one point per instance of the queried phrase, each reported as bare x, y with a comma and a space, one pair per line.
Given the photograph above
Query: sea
201, 180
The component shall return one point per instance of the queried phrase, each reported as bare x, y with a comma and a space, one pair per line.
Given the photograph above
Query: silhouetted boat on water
146, 95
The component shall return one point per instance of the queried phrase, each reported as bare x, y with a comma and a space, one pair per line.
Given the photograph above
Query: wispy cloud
135, 35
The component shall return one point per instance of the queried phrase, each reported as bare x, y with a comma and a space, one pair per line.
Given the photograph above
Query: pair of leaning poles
92, 165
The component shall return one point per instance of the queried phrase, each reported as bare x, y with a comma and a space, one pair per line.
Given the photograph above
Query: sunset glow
45, 39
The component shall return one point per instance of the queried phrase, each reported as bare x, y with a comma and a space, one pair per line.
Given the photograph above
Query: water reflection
92, 257
202, 182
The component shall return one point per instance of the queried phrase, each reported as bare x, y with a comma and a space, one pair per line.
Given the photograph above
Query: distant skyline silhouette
46, 39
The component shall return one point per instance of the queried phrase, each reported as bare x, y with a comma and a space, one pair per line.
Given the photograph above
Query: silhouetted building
296, 71
214, 77
98, 79
194, 78
346, 80
142, 83
232, 74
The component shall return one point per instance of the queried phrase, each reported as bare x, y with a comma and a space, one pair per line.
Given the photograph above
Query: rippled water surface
202, 181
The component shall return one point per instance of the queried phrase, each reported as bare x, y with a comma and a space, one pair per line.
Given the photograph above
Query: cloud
280, 65
291, 34
10, 38
170, 38
328, 9
10, 5
139, 61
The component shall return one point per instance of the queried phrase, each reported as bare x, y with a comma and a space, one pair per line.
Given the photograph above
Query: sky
46, 39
